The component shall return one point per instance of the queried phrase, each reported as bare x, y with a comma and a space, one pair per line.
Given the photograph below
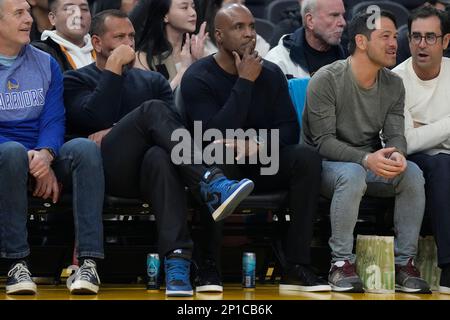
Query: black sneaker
208, 278
444, 283
407, 279
19, 280
343, 277
86, 279
301, 278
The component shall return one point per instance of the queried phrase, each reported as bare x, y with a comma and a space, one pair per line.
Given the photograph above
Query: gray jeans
346, 183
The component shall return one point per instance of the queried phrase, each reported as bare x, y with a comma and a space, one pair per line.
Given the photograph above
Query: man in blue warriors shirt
33, 152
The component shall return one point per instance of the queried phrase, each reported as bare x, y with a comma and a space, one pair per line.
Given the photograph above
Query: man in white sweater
70, 42
426, 76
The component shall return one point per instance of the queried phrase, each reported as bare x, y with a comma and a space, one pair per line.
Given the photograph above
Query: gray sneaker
19, 280
86, 280
407, 279
343, 278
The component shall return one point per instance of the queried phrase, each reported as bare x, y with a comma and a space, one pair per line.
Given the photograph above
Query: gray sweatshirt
344, 121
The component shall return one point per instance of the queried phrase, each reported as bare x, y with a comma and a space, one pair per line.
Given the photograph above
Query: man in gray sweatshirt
354, 118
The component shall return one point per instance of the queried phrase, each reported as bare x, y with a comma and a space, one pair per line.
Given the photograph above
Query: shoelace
223, 183
176, 270
20, 272
87, 270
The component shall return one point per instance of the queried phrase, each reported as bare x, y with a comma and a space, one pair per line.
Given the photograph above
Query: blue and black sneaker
177, 267
19, 280
222, 195
86, 279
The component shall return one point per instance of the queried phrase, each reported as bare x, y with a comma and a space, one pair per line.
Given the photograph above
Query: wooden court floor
231, 292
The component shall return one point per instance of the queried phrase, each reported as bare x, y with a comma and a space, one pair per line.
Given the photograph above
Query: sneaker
301, 278
222, 196
343, 277
444, 283
86, 279
208, 278
19, 280
407, 279
177, 268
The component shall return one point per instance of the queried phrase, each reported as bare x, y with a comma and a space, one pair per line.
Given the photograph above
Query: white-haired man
317, 43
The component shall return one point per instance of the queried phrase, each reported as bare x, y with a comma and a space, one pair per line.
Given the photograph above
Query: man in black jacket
129, 113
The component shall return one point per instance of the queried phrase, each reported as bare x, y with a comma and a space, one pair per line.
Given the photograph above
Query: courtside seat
112, 205
130, 207
268, 200
125, 206
38, 206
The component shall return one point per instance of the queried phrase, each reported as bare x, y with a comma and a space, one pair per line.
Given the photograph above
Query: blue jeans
78, 165
346, 183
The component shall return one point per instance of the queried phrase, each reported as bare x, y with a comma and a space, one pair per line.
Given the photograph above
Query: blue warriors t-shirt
31, 104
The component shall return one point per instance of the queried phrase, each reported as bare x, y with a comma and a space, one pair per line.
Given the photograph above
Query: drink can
248, 269
153, 265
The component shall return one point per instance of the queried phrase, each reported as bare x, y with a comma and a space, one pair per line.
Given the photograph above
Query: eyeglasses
430, 38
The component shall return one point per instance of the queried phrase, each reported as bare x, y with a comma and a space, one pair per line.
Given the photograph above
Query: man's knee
412, 177
14, 153
82, 149
438, 165
154, 107
349, 177
156, 157
306, 160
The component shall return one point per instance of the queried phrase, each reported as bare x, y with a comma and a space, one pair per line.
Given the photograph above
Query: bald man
237, 89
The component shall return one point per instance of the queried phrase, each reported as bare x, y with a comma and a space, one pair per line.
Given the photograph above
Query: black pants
300, 173
436, 170
137, 163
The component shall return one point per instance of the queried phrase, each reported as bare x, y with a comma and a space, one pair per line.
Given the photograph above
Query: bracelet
364, 160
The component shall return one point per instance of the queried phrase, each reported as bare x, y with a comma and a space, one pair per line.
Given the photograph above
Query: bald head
235, 29
227, 14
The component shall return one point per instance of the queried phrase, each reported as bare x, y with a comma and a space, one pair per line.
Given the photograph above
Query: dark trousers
137, 163
300, 173
436, 170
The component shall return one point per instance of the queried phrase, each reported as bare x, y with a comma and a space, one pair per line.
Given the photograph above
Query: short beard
328, 40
